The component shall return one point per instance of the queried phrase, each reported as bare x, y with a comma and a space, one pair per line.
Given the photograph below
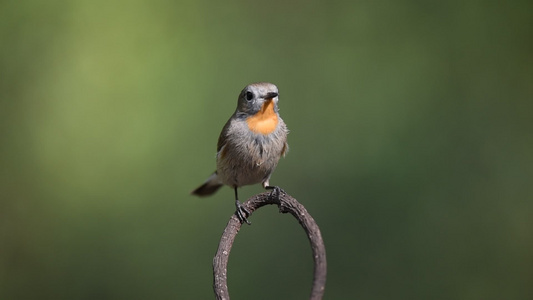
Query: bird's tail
210, 186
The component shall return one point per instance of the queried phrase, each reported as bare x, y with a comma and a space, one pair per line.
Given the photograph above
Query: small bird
250, 144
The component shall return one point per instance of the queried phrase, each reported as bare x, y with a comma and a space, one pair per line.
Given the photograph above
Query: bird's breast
265, 120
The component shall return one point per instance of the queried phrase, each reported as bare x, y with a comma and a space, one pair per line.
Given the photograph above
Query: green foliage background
411, 145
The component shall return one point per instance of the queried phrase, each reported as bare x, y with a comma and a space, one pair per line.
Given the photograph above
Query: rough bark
286, 204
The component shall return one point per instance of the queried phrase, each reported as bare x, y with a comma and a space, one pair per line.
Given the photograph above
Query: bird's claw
276, 192
242, 212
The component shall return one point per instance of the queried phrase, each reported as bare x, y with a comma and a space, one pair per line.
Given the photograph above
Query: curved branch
286, 204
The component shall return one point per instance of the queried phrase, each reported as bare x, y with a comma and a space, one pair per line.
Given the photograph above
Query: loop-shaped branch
286, 204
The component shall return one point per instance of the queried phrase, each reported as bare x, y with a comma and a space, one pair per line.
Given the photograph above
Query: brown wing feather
222, 137
285, 149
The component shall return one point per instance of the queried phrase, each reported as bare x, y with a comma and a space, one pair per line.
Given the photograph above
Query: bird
250, 145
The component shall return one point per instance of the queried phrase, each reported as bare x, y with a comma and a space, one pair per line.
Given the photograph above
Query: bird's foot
276, 192
242, 212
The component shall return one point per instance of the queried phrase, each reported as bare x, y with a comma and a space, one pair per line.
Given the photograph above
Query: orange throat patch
265, 120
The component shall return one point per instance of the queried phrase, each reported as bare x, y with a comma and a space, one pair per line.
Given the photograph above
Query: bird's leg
242, 211
276, 191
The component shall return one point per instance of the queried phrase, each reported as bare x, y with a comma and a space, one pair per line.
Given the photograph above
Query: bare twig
286, 204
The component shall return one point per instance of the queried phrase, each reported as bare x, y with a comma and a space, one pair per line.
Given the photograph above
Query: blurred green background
411, 145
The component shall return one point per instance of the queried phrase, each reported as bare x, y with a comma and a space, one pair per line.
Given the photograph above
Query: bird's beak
271, 95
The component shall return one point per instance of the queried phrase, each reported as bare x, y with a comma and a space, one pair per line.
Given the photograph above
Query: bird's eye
249, 96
